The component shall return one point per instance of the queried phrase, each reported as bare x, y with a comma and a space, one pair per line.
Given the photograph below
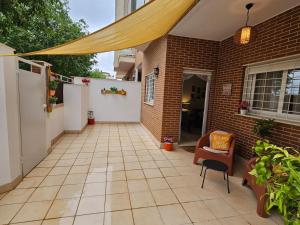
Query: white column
10, 140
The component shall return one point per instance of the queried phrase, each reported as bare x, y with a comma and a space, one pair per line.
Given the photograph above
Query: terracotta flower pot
168, 146
52, 92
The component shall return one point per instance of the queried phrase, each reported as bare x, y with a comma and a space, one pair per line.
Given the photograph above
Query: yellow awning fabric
150, 22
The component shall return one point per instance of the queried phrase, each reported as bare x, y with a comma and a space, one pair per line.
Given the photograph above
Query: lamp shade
244, 35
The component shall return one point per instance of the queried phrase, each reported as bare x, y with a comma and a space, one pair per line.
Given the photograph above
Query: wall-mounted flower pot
168, 146
91, 121
52, 92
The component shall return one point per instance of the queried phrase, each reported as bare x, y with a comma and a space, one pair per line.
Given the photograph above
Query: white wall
111, 107
10, 140
54, 124
75, 106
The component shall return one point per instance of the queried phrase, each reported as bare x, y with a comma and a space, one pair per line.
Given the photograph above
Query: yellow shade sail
150, 22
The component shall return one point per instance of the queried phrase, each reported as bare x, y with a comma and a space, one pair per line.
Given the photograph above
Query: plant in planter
244, 106
114, 90
279, 169
263, 127
53, 84
52, 101
85, 81
168, 143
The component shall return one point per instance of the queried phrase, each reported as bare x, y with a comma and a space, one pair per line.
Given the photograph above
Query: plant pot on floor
168, 146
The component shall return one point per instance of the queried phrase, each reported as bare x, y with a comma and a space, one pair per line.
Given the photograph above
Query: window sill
149, 103
252, 116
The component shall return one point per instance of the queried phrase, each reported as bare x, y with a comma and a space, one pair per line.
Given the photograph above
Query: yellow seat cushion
220, 140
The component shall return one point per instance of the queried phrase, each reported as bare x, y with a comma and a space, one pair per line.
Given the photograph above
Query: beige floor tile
63, 208
96, 178
94, 219
158, 184
75, 178
220, 208
70, 191
79, 169
117, 202
116, 176
177, 182
7, 212
132, 166
135, 174
89, 205
164, 197
237, 220
169, 172
16, 196
115, 167
198, 212
47, 163
163, 163
118, 218
39, 222
141, 199
186, 194
254, 219
147, 216
94, 189
32, 211
44, 194
115, 187
59, 221
131, 158
138, 185
39, 172
60, 170
69, 156
211, 222
173, 215
65, 162
152, 173
30, 182
148, 165
53, 180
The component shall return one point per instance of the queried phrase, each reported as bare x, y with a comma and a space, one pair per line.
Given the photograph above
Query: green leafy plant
97, 74
53, 84
279, 169
114, 90
52, 100
263, 127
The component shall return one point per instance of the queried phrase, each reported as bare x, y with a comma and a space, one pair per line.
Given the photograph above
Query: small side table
215, 165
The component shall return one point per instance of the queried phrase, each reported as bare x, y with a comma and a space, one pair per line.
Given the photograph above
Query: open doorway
195, 89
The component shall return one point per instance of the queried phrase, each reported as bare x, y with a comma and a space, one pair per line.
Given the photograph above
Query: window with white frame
149, 88
274, 89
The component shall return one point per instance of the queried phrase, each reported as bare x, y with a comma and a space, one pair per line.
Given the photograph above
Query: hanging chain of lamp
246, 34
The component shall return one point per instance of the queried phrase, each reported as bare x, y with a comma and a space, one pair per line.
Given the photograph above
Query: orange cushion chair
204, 149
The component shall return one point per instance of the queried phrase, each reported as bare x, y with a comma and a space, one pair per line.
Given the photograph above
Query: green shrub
279, 169
263, 127
53, 84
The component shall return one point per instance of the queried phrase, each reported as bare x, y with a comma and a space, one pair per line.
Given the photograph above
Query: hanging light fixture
245, 34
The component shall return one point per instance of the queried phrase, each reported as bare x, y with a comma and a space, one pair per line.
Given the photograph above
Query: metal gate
32, 100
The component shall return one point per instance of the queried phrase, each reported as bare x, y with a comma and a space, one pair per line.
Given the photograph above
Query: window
274, 89
149, 88
135, 4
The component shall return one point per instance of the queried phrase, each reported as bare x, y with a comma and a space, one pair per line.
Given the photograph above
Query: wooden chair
259, 190
227, 159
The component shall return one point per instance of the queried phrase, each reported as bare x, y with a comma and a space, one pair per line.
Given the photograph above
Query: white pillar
10, 140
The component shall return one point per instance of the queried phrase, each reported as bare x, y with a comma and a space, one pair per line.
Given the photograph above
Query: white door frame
199, 72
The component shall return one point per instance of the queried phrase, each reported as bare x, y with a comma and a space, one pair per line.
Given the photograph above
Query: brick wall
183, 52
276, 37
151, 116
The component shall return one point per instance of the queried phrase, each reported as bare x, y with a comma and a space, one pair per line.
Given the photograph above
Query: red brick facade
277, 37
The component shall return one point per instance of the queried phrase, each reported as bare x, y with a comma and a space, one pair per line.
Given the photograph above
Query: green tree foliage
279, 169
97, 74
30, 25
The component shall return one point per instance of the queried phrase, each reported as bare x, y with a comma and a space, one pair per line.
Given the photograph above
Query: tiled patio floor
113, 174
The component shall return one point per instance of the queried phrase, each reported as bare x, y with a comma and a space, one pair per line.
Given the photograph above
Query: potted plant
263, 127
244, 105
168, 143
52, 101
91, 118
114, 90
53, 84
278, 169
85, 81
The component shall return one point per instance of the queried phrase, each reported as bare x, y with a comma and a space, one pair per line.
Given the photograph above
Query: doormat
188, 148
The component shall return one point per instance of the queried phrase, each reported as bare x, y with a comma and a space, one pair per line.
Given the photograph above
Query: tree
30, 25
97, 74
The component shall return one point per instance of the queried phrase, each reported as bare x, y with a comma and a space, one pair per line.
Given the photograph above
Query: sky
97, 14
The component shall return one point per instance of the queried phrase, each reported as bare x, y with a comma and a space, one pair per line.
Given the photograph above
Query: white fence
113, 107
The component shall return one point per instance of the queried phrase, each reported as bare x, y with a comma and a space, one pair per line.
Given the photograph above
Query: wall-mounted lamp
156, 71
